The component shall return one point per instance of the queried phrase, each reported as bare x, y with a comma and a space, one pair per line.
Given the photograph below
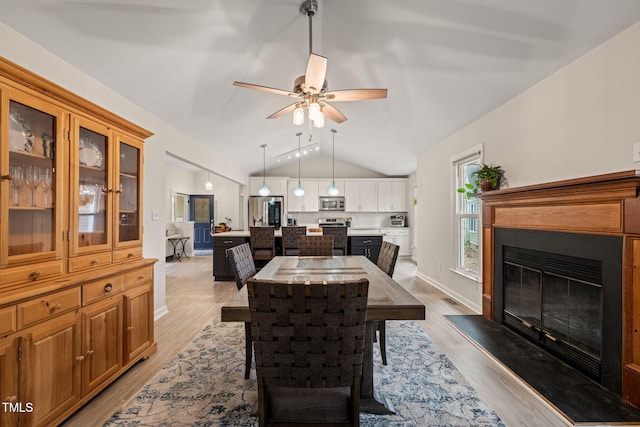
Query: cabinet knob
80, 358
130, 328
33, 276
89, 353
140, 277
95, 261
12, 399
108, 287
5, 177
130, 255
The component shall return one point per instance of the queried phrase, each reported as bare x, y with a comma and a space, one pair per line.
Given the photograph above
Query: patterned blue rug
204, 385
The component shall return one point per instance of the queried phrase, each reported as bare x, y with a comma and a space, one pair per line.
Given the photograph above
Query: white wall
580, 121
319, 166
31, 56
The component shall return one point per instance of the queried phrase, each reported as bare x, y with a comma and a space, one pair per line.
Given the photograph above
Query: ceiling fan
311, 88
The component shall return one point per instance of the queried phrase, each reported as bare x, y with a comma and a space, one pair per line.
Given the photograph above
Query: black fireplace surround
583, 271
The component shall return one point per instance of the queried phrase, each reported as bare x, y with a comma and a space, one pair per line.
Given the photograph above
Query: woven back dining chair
308, 340
243, 267
339, 234
263, 243
290, 235
387, 263
315, 245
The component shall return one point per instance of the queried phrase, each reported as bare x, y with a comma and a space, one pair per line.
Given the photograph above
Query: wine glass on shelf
17, 180
46, 181
33, 181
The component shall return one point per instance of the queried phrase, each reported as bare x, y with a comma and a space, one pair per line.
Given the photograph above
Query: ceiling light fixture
299, 191
333, 190
208, 185
288, 155
264, 190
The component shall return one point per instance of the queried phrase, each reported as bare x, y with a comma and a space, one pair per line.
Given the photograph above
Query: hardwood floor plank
194, 300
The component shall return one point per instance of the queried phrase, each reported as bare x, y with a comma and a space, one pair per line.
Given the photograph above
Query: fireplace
562, 291
569, 252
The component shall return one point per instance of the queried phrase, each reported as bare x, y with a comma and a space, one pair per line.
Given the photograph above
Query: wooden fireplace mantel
606, 204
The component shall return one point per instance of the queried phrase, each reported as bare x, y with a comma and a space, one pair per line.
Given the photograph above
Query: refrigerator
264, 211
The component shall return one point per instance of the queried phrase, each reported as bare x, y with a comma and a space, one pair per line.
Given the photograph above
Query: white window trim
454, 160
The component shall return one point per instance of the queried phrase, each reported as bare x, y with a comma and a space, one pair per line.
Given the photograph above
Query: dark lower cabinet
368, 246
221, 268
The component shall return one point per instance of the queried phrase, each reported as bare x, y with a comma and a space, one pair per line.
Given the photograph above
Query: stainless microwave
331, 203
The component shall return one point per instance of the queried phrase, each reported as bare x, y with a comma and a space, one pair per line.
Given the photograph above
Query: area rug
204, 385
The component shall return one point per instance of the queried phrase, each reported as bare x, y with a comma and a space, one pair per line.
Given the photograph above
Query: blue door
201, 213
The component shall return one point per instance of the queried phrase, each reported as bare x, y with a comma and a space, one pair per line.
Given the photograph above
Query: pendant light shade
333, 190
264, 190
208, 186
299, 191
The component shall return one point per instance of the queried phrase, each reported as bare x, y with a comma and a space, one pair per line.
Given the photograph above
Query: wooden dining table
387, 300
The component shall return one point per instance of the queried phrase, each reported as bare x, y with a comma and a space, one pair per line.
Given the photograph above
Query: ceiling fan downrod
309, 8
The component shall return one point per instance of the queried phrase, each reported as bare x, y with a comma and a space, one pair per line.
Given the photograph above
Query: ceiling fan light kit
311, 88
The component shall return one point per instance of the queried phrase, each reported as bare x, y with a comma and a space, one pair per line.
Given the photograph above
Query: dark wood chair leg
383, 341
248, 350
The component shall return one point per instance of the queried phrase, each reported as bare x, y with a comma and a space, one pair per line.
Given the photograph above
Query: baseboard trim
476, 308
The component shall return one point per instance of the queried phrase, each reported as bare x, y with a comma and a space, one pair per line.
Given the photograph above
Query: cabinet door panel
128, 189
32, 193
50, 368
9, 379
102, 342
138, 321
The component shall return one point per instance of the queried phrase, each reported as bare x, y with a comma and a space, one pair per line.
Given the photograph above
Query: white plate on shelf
20, 135
90, 154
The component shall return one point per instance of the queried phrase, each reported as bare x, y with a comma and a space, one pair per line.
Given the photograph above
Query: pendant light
208, 185
299, 191
264, 190
333, 191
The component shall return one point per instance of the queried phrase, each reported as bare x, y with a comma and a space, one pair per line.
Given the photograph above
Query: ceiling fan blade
265, 89
316, 73
355, 94
332, 112
283, 111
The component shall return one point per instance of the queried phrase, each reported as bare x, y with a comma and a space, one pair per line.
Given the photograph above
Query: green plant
487, 178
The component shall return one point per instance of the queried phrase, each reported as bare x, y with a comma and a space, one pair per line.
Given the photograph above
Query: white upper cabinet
360, 196
392, 196
306, 203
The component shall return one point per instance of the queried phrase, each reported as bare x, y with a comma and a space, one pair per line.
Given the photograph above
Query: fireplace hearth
562, 292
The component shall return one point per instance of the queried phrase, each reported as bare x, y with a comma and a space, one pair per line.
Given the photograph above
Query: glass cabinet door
128, 186
31, 180
91, 190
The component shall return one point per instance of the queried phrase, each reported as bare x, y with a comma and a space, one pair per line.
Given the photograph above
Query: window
467, 215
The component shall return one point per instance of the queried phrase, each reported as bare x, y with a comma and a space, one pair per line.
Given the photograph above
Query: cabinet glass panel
92, 203
129, 211
32, 177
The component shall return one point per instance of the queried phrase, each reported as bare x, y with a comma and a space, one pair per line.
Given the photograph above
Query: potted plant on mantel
487, 178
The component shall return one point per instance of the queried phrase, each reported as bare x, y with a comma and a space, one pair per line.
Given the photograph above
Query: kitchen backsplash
358, 220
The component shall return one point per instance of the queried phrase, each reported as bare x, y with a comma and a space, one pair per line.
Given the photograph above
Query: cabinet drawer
30, 273
136, 277
89, 261
101, 288
366, 241
7, 320
228, 242
47, 306
125, 254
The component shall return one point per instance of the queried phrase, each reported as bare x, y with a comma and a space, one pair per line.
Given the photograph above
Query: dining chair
263, 243
315, 245
243, 267
387, 263
290, 236
308, 340
339, 234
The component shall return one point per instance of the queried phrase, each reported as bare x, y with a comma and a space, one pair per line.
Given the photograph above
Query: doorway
201, 213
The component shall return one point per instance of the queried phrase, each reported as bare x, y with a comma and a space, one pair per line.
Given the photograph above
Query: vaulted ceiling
444, 62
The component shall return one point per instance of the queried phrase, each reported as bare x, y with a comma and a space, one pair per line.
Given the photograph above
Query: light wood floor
194, 300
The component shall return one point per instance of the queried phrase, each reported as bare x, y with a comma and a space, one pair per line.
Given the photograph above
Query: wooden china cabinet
76, 295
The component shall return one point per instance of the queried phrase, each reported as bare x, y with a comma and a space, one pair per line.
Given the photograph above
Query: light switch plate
636, 151
155, 214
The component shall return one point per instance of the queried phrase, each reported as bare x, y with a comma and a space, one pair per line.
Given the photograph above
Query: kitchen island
365, 242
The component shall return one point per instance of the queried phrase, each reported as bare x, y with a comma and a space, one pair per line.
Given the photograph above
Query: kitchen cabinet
399, 236
324, 186
392, 196
306, 203
221, 269
368, 246
75, 291
360, 196
278, 186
